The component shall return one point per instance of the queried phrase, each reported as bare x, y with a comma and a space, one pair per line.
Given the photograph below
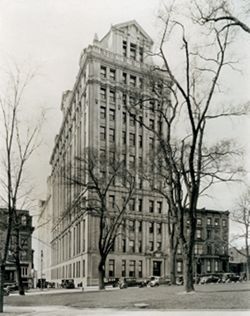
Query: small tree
241, 215
19, 145
94, 177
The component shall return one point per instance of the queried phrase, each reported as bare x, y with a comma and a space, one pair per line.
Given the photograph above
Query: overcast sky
50, 35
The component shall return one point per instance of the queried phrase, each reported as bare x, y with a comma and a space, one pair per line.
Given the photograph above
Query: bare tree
241, 215
222, 13
190, 162
94, 176
19, 144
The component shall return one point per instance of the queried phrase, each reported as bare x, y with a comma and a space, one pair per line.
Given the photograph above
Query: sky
49, 35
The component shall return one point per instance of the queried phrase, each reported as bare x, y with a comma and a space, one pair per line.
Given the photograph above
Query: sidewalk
62, 290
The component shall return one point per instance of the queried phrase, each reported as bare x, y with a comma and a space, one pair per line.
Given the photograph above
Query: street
234, 296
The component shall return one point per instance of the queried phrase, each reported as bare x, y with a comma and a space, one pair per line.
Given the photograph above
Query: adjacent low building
25, 243
211, 244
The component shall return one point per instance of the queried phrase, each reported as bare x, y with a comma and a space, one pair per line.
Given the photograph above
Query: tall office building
111, 73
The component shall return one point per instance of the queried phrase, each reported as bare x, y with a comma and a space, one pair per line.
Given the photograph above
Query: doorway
157, 268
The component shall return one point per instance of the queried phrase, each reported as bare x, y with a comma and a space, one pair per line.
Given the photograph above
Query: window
208, 234
151, 228
132, 120
131, 161
139, 246
133, 51
103, 112
151, 246
112, 156
151, 143
179, 266
132, 204
139, 205
151, 124
140, 269
159, 228
111, 135
208, 266
103, 72
216, 265
224, 223
123, 268
216, 222
141, 54
209, 249
24, 271
112, 74
131, 226
199, 221
132, 101
158, 245
139, 226
159, 207
111, 114
24, 220
140, 141
132, 246
83, 268
188, 222
209, 221
151, 206
124, 99
103, 95
102, 133
112, 96
198, 233
112, 201
132, 268
140, 162
132, 81
141, 83
124, 48
111, 268
123, 245
124, 77
198, 249
131, 139
124, 117
124, 138
179, 252
152, 105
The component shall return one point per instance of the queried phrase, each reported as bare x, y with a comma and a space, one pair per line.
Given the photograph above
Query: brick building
26, 253
211, 245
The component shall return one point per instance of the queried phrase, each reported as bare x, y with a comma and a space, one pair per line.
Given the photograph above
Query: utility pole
41, 270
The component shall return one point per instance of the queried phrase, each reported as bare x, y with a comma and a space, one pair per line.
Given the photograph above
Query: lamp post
41, 269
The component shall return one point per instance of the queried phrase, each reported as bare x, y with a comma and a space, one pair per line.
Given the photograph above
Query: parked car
68, 284
10, 287
179, 280
230, 277
209, 279
128, 282
154, 281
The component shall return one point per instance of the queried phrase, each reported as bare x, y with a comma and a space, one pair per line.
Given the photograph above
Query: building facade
43, 234
25, 243
111, 72
211, 253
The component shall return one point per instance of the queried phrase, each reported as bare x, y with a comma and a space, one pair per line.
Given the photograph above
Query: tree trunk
19, 277
2, 270
172, 265
18, 265
188, 271
248, 268
101, 274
